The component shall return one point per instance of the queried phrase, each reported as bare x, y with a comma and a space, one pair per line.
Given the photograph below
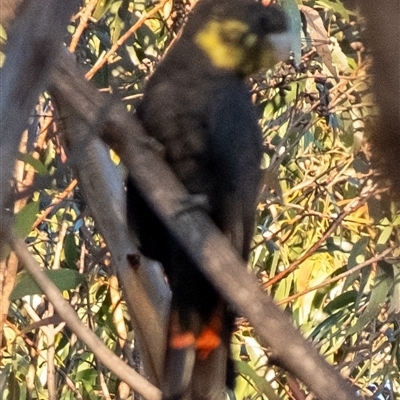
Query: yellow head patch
221, 41
230, 45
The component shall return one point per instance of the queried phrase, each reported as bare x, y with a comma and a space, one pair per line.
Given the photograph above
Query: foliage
323, 226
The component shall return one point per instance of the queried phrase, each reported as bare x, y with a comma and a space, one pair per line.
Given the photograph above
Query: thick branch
202, 241
33, 43
383, 38
145, 290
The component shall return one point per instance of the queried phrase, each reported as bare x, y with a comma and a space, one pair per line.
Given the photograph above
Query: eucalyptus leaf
379, 295
25, 218
64, 279
261, 383
292, 11
36, 164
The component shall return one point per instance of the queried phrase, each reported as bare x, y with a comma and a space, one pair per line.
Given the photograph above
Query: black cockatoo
198, 107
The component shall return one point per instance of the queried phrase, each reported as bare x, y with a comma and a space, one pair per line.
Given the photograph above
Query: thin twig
350, 208
51, 351
339, 277
33, 346
145, 16
84, 18
54, 203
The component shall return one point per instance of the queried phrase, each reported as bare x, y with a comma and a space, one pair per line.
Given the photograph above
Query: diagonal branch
354, 205
208, 248
33, 43
132, 30
145, 290
372, 260
34, 40
68, 314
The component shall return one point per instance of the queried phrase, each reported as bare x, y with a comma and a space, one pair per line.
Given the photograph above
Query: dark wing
236, 148
175, 117
213, 144
171, 115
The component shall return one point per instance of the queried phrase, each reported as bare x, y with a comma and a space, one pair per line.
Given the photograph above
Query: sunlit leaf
319, 36
25, 218
33, 162
64, 279
379, 293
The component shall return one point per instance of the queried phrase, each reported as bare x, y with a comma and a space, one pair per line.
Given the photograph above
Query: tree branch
33, 43
207, 247
145, 290
64, 309
382, 36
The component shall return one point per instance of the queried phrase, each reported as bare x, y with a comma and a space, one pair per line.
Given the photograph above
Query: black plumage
198, 107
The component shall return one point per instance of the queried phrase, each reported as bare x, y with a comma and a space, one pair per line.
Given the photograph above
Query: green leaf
337, 243
25, 218
284, 288
14, 387
345, 300
64, 279
326, 326
395, 295
101, 8
261, 383
5, 375
37, 165
71, 251
335, 5
385, 235
379, 294
90, 391
87, 375
357, 256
